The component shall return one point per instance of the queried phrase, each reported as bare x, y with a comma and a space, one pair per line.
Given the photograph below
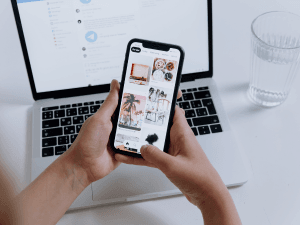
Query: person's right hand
186, 165
188, 168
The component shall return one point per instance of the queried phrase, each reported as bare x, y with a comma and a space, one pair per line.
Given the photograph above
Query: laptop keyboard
61, 125
200, 111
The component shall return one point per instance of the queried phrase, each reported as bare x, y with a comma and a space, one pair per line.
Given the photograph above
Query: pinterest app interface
147, 98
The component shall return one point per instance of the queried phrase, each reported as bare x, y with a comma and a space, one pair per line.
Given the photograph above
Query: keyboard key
62, 106
202, 88
68, 106
190, 113
204, 130
210, 106
205, 120
59, 150
65, 121
189, 90
202, 94
94, 108
87, 116
59, 113
188, 96
49, 142
184, 105
78, 127
179, 100
195, 131
101, 101
97, 102
69, 146
73, 137
201, 112
216, 128
74, 105
47, 152
50, 123
190, 122
196, 104
47, 115
78, 120
52, 132
89, 103
72, 112
183, 91
194, 89
79, 104
50, 108
83, 110
63, 140
69, 130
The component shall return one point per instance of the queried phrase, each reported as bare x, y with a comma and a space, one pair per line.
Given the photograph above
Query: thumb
111, 102
160, 159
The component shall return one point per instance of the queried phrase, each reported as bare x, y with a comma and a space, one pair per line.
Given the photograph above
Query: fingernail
182, 110
144, 147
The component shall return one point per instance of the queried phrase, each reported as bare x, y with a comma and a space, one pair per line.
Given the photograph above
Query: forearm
217, 206
47, 199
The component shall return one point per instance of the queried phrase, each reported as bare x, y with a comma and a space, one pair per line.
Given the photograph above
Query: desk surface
268, 138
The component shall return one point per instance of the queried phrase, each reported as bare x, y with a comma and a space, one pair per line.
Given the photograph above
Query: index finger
133, 160
179, 95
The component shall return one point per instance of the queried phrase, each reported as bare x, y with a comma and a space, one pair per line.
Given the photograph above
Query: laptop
72, 51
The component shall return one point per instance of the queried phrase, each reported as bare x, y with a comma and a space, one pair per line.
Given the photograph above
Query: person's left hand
91, 150
91, 153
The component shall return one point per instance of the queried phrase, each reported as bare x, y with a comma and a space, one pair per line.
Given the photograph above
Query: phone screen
147, 98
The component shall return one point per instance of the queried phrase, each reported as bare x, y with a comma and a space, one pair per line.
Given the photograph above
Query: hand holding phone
148, 92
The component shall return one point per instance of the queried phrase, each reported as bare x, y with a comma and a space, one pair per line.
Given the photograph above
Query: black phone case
158, 46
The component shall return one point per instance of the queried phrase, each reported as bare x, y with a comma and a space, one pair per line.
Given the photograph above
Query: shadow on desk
237, 104
124, 213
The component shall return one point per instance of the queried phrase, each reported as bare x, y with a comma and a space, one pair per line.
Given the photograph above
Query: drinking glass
275, 57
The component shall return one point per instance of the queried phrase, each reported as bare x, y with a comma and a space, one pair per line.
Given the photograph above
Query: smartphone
148, 94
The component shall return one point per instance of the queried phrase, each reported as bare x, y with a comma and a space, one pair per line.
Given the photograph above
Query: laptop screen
80, 43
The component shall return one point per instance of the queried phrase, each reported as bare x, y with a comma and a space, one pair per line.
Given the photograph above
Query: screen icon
85, 1
136, 49
91, 36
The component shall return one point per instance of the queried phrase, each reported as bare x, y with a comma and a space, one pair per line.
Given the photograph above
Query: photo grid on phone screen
146, 102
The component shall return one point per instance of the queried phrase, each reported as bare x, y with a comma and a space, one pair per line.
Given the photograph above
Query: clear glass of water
275, 57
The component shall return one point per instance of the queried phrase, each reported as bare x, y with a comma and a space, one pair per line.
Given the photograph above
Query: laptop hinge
187, 79
71, 95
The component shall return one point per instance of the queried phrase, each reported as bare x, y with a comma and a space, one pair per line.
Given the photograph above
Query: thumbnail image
139, 69
158, 106
164, 70
123, 141
140, 74
153, 137
132, 111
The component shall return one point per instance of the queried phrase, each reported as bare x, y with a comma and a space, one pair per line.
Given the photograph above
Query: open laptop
73, 49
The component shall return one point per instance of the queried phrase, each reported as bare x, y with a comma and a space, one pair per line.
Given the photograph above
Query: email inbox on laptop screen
76, 43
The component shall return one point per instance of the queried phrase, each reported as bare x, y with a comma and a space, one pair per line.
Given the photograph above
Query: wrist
73, 170
213, 195
217, 205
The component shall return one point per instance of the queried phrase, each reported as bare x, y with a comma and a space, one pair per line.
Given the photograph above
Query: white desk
269, 138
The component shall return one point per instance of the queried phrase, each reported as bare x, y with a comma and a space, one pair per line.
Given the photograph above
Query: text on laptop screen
77, 43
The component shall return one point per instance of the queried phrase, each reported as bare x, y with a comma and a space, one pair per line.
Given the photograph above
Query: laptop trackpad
128, 181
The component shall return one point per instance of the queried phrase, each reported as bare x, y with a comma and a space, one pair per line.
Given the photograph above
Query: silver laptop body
130, 183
